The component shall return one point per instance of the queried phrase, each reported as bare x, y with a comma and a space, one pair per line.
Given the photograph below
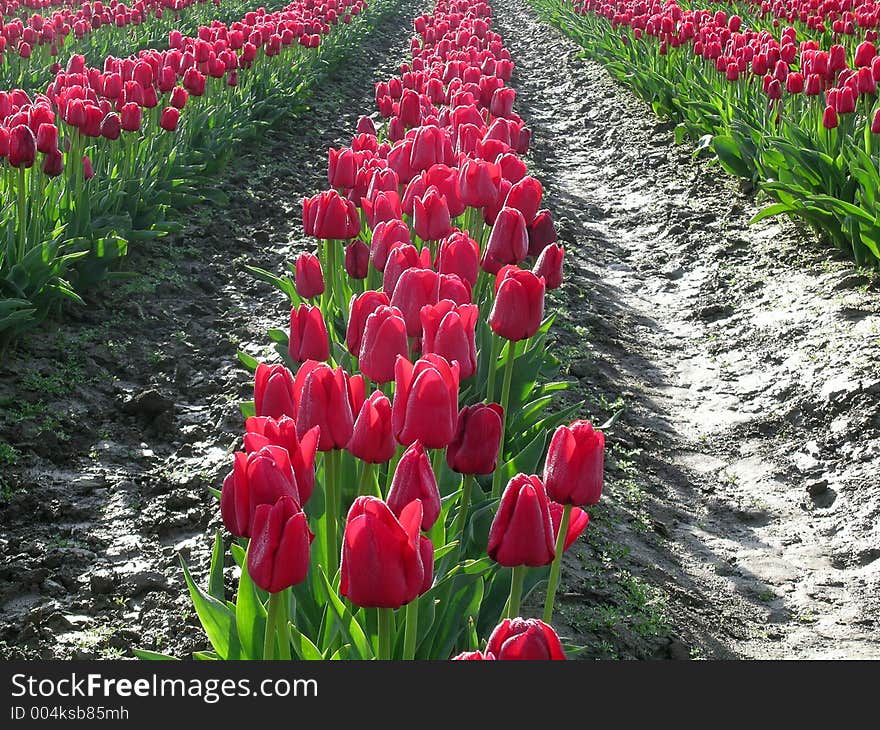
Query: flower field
392, 330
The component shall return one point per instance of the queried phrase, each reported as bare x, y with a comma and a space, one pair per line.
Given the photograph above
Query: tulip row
30, 46
97, 160
387, 502
800, 121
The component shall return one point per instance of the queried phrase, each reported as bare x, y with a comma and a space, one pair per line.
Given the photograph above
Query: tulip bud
508, 241
522, 532
431, 219
414, 479
365, 125
829, 118
415, 289
387, 235
371, 438
170, 119
525, 195
384, 338
519, 304
47, 138
278, 554
574, 465
273, 391
308, 277
361, 307
385, 561
329, 215
88, 170
342, 168
549, 266
325, 398
479, 183
425, 406
261, 477
262, 431
521, 638
474, 448
449, 331
308, 335
22, 146
474, 656
357, 259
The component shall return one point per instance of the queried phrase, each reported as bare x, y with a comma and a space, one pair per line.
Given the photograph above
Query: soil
740, 517
744, 480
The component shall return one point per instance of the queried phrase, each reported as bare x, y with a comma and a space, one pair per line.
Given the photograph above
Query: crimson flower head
474, 448
415, 289
522, 532
479, 183
460, 255
525, 195
308, 276
361, 307
371, 438
573, 470
308, 334
425, 406
384, 339
508, 241
549, 266
386, 563
327, 398
524, 638
577, 523
342, 167
519, 304
387, 235
261, 477
22, 146
541, 232
357, 259
431, 218
262, 431
273, 391
329, 215
449, 330
278, 554
414, 479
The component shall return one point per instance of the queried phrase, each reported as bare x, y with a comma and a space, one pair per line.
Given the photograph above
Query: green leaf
215, 580
250, 617
303, 646
249, 362
152, 655
346, 621
215, 617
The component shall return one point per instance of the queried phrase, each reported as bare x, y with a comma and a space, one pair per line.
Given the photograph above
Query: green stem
556, 567
411, 631
517, 578
275, 606
282, 627
505, 401
368, 483
329, 274
386, 617
437, 463
467, 484
493, 362
22, 214
330, 510
392, 467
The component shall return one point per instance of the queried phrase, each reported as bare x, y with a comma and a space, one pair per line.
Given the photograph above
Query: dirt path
120, 421
744, 475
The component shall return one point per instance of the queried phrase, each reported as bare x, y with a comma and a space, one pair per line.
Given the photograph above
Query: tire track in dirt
134, 413
746, 356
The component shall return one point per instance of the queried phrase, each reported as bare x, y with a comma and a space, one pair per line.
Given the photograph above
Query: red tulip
431, 219
325, 399
384, 338
22, 146
387, 235
88, 170
47, 137
179, 97
342, 167
865, 53
383, 206
524, 638
273, 391
525, 196
578, 522
53, 163
308, 335
453, 288
329, 215
415, 289
194, 81
111, 127
508, 241
361, 307
875, 122
169, 119
278, 554
130, 115
502, 102
522, 533
474, 448
513, 168
400, 258
430, 146
383, 563
371, 438
479, 183
425, 404
574, 466
541, 232
261, 431
308, 277
519, 304
365, 125
261, 477
549, 266
829, 118
449, 331
414, 479
460, 255
357, 259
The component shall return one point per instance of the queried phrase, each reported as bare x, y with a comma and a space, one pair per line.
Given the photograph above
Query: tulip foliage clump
404, 483
93, 157
784, 93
